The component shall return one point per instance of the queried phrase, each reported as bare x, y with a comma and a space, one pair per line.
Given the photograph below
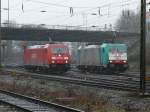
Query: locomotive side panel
49, 57
89, 56
107, 57
36, 57
104, 55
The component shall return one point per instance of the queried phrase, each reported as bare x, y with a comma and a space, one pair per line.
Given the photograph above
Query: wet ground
128, 102
5, 108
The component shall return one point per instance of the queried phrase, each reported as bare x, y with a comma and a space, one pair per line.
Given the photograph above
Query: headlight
53, 61
66, 58
124, 61
53, 57
110, 61
66, 61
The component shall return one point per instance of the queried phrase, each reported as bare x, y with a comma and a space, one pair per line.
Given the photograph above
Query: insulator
71, 11
99, 11
128, 13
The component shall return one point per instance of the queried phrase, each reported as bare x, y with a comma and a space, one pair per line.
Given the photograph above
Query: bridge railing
65, 27
61, 27
77, 28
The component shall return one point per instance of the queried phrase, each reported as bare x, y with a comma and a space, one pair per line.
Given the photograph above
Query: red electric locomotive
51, 57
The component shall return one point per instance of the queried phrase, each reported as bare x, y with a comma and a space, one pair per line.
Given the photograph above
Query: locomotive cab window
117, 50
59, 50
103, 50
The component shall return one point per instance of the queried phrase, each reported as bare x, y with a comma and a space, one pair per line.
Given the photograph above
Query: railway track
80, 74
87, 75
28, 104
101, 82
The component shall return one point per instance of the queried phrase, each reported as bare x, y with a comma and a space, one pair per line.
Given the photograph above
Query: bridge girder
30, 34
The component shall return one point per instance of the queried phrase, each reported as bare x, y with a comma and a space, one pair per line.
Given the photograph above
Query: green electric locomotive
105, 57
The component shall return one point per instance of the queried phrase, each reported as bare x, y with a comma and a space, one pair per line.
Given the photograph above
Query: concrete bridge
63, 35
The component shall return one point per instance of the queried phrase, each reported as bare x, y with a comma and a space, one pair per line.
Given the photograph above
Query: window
59, 50
103, 50
117, 50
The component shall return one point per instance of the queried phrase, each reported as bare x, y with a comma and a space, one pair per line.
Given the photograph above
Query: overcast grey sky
57, 11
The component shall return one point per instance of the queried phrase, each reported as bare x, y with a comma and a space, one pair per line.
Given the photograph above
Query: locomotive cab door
102, 56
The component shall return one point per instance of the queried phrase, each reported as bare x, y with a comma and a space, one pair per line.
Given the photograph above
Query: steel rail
89, 77
104, 84
54, 106
135, 81
14, 106
127, 74
96, 75
98, 79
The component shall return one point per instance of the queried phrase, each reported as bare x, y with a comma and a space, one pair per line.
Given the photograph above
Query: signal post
143, 48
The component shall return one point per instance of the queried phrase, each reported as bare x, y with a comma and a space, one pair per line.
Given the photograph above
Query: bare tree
128, 21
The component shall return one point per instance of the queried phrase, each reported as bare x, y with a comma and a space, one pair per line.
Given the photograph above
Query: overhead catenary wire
114, 4
62, 1
67, 18
112, 15
86, 10
48, 3
101, 14
48, 18
75, 13
67, 6
99, 9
